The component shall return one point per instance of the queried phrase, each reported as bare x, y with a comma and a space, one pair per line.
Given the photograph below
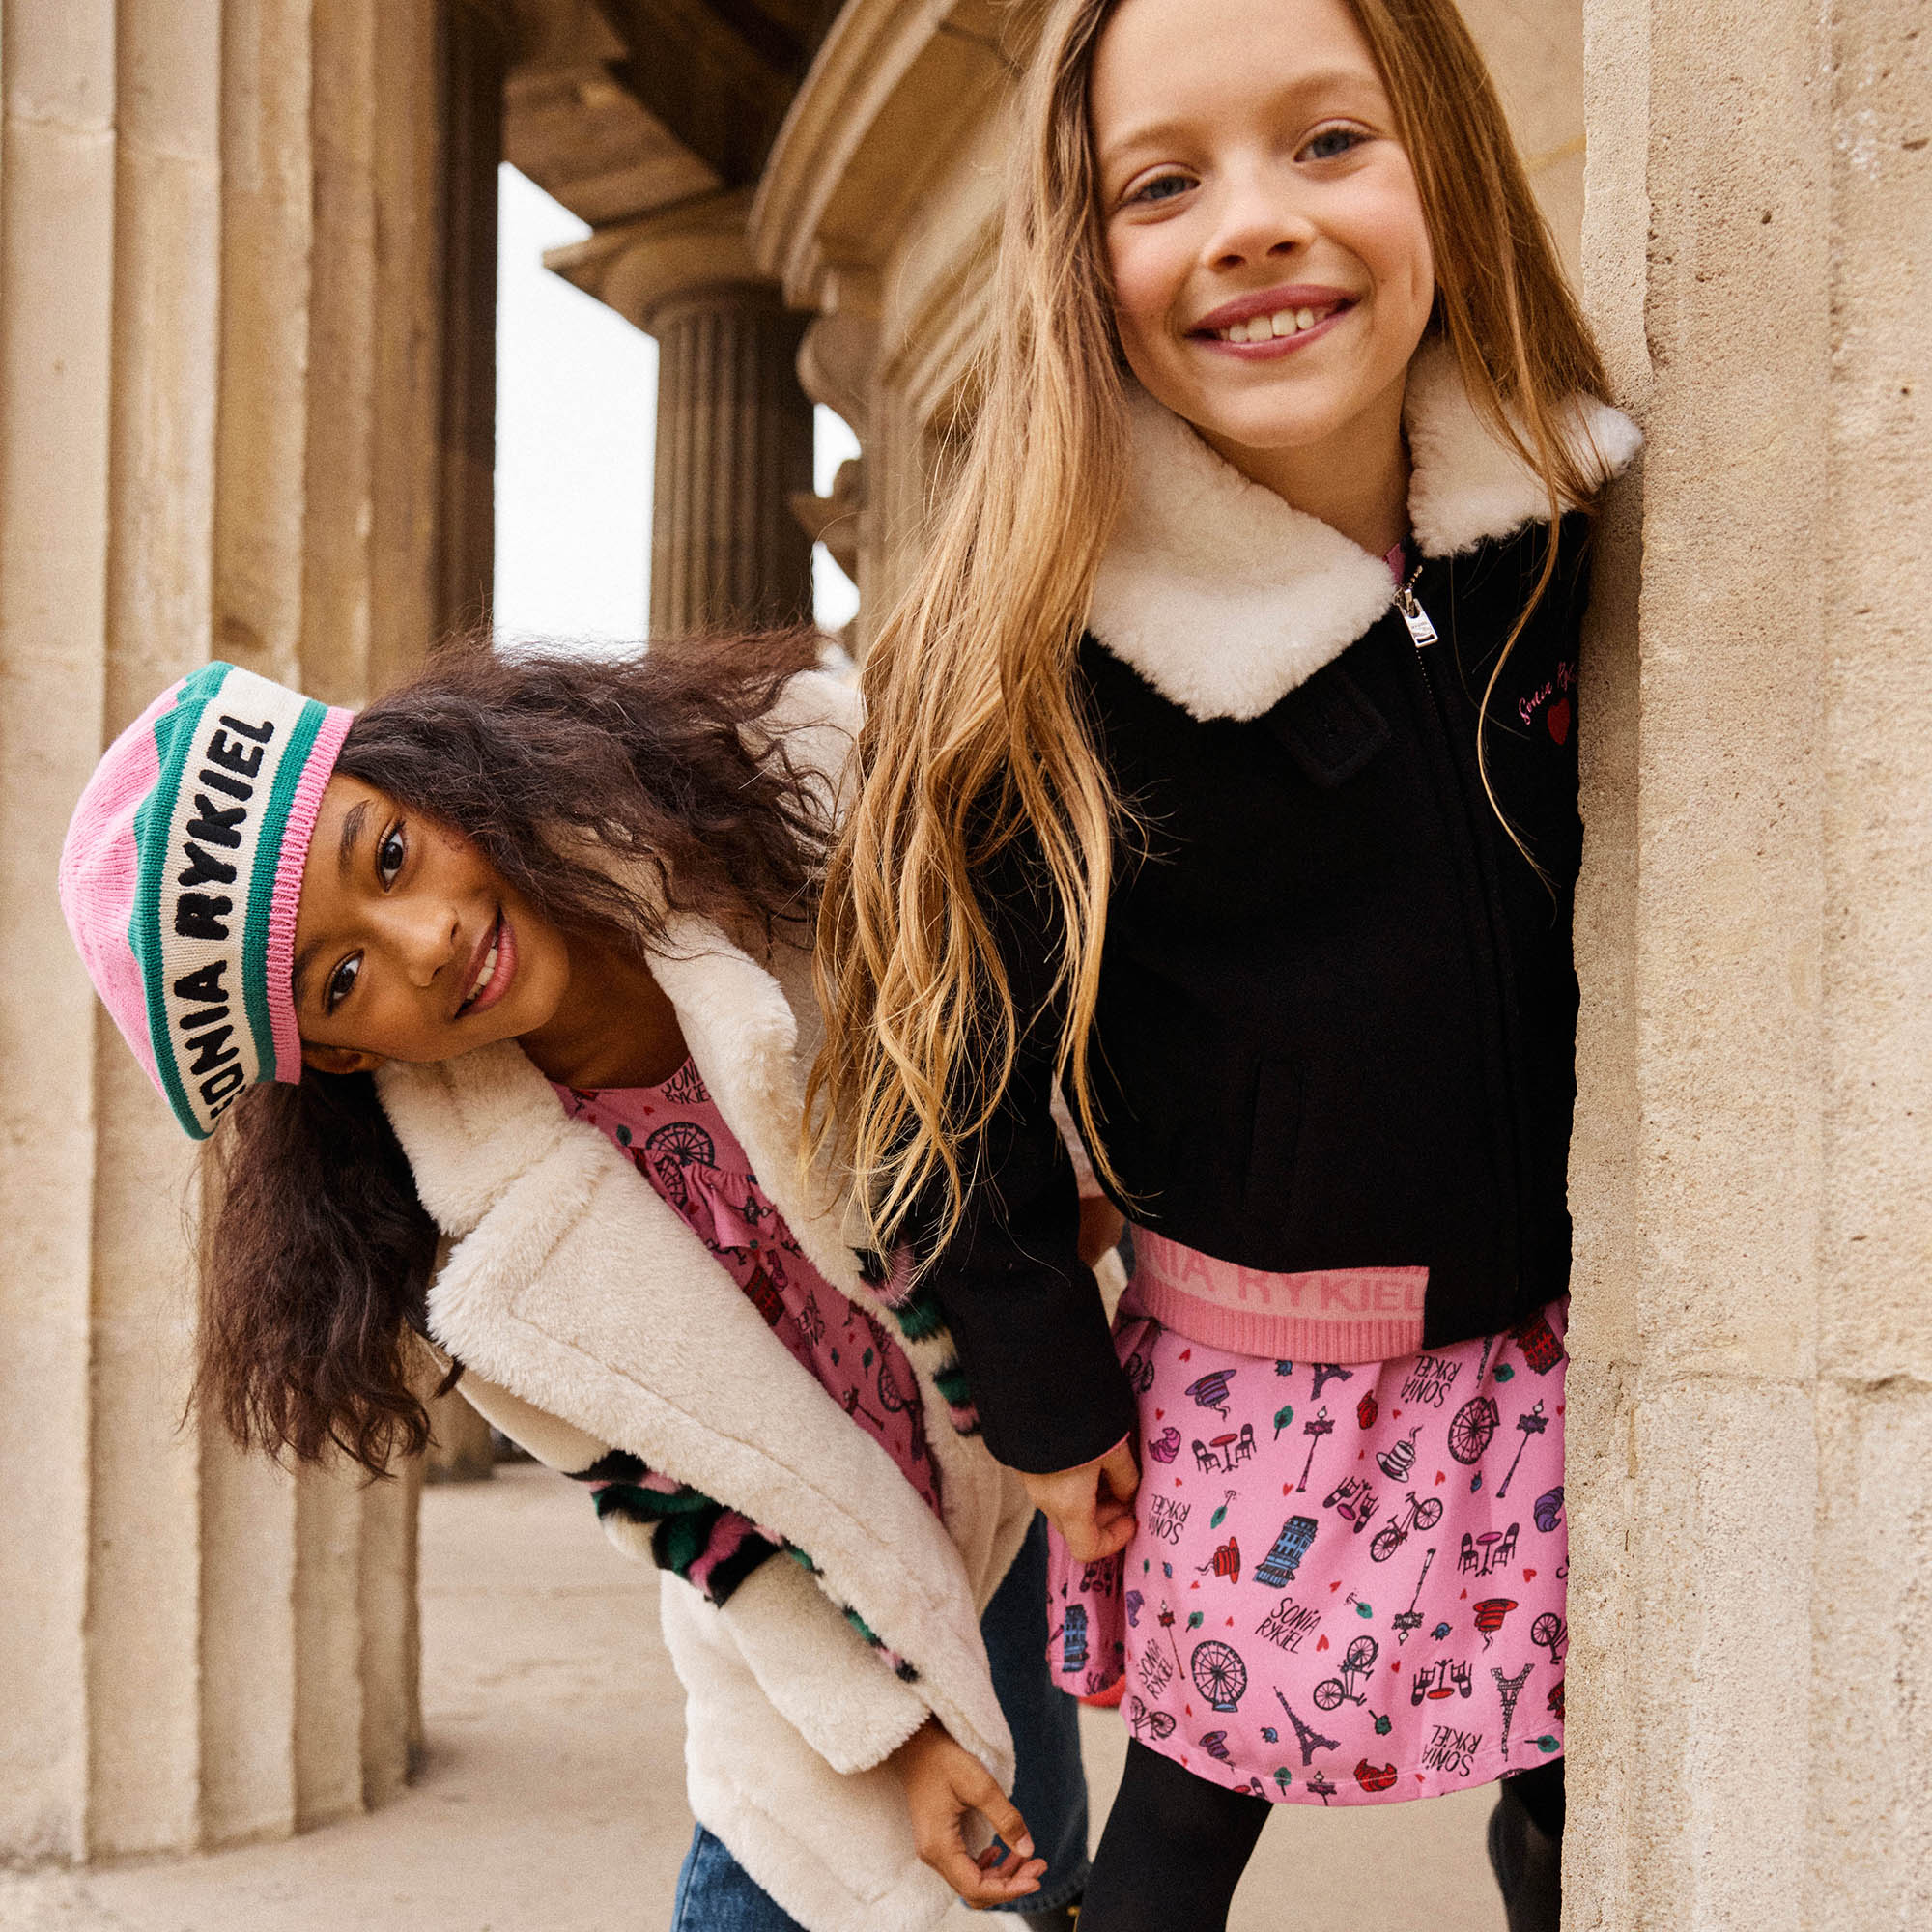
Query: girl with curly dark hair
492, 997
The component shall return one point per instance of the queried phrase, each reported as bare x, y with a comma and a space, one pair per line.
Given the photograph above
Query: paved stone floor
552, 1795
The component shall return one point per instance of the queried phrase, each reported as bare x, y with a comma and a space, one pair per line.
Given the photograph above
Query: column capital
660, 264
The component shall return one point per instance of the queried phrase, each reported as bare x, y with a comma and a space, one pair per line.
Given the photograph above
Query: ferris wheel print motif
674, 1148
1219, 1674
1471, 1426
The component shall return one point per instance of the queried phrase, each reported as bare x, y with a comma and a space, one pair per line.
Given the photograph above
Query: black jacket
1337, 1008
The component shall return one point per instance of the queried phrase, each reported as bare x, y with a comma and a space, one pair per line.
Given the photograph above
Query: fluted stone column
219, 425
1750, 1409
733, 445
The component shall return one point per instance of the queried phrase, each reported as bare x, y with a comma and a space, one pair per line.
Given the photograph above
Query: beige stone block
1877, 967
1711, 1694
247, 1646
391, 1635
1730, 830
1605, 1168
328, 1646
1871, 1732
144, 1571
145, 1543
56, 265
339, 494
1600, 1490
266, 231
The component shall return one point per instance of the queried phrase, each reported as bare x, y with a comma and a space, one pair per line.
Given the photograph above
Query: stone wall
1752, 1700
220, 405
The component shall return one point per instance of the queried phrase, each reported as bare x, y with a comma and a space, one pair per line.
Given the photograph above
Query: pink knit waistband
1328, 1314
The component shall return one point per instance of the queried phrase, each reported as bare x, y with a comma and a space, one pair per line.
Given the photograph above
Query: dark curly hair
321, 1254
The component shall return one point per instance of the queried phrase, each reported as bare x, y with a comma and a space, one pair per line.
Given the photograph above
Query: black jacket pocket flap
1329, 727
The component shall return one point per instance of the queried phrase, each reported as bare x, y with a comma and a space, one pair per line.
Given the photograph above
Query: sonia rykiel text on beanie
182, 873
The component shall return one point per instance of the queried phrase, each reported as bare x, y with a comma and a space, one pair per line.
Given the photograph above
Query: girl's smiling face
409, 944
1271, 263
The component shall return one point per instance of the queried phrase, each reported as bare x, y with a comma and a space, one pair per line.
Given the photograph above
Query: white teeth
1271, 327
487, 968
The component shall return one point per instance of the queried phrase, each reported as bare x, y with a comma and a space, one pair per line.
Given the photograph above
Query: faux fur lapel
573, 1285
1225, 599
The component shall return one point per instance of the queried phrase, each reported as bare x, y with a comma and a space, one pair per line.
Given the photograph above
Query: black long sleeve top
1336, 1006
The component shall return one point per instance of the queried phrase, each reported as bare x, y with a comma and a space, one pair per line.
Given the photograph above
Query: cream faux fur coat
589, 1316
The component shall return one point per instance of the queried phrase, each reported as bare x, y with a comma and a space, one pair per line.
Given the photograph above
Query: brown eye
342, 982
389, 856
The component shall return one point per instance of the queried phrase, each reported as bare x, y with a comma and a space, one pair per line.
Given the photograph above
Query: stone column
1750, 1426
733, 445
734, 427
218, 379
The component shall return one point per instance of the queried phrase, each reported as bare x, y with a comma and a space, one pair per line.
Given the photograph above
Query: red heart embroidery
1529, 1576
1231, 1623
1395, 1411
1321, 1643
1286, 1488
1439, 1476
1395, 1668
1334, 1586
1465, 1594
1159, 1413
1185, 1353
1557, 718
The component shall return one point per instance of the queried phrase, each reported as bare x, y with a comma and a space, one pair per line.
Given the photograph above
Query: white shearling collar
1225, 599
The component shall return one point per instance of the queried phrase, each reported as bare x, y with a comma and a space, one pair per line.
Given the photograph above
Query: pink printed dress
1347, 1581
679, 1142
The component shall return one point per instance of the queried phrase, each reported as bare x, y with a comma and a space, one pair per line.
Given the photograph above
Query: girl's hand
1092, 1506
944, 1781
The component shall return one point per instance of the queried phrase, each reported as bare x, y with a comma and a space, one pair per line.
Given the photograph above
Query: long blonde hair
974, 735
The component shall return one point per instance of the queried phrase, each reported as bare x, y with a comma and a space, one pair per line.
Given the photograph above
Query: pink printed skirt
1346, 1583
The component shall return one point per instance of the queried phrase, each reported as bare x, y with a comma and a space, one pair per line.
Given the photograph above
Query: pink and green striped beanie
182, 873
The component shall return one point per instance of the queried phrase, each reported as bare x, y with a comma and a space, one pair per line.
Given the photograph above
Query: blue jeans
715, 1893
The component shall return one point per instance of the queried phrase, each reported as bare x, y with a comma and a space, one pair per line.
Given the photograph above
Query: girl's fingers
1121, 1473
980, 1884
994, 1887
999, 1811
998, 1874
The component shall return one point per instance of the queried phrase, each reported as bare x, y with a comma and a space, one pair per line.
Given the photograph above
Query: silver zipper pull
1420, 630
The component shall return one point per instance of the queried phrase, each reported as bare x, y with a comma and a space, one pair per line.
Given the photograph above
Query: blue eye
389, 856
1163, 187
1331, 143
342, 982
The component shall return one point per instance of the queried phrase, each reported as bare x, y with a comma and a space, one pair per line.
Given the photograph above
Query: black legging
1176, 1846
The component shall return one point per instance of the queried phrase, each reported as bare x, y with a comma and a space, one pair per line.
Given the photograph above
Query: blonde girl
1220, 769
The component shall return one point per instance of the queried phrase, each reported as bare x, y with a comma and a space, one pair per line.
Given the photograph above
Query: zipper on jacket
1466, 785
1420, 630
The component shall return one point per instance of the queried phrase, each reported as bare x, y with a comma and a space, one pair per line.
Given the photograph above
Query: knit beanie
180, 876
